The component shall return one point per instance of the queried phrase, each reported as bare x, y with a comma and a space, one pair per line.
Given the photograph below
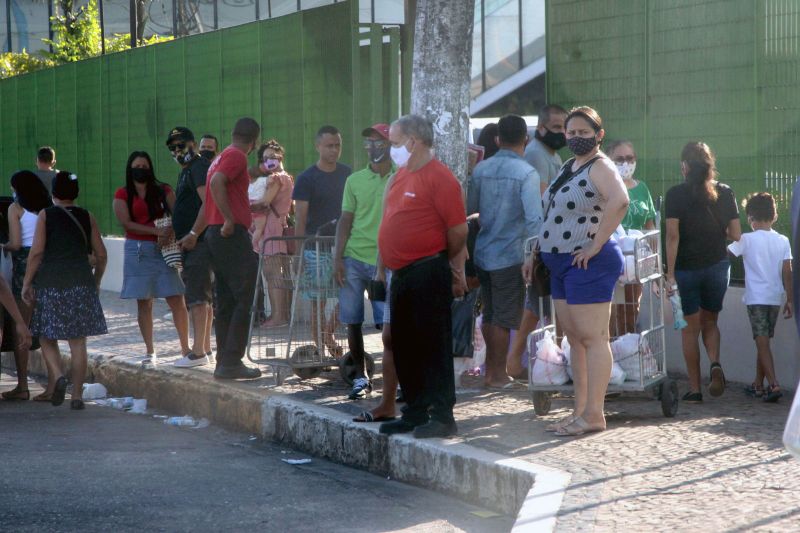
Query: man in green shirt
356, 252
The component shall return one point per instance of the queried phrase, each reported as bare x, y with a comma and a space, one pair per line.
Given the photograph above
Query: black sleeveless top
66, 263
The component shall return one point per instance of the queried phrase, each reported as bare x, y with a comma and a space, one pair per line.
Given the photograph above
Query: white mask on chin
626, 170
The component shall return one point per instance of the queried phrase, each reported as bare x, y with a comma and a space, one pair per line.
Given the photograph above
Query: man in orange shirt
422, 238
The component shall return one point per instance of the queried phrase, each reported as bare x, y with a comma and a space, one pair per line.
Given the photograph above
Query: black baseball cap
180, 133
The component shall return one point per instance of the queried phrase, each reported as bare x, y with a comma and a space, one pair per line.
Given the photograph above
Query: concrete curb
483, 478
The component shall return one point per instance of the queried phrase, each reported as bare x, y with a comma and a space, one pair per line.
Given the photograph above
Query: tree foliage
76, 35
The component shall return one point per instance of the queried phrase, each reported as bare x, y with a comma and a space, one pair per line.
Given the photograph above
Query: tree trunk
440, 81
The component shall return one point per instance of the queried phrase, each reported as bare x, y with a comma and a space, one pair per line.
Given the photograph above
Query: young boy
768, 278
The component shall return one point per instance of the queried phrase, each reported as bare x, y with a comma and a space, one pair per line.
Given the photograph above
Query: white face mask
400, 155
626, 170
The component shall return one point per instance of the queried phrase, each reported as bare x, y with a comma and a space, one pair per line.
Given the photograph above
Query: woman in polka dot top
583, 207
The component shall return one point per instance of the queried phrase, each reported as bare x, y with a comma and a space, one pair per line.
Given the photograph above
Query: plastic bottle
677, 310
180, 421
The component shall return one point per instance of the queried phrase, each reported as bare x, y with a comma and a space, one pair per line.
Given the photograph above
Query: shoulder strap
77, 223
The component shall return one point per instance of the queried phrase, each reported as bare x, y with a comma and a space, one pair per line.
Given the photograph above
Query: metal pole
269, 9
372, 11
102, 29
216, 15
519, 17
50, 22
8, 24
258, 9
174, 20
134, 23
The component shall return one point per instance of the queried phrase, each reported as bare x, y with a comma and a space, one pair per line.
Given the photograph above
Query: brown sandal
43, 397
16, 394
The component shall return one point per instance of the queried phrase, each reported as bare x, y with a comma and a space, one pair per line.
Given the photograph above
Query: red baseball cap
380, 129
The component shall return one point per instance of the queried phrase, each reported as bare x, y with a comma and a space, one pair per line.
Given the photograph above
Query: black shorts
197, 275
502, 296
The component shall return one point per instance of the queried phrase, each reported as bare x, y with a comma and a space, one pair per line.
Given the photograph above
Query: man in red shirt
235, 264
422, 239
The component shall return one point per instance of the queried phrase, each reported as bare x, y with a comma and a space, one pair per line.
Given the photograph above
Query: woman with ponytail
702, 216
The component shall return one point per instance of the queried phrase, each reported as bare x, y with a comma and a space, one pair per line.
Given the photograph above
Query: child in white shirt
768, 280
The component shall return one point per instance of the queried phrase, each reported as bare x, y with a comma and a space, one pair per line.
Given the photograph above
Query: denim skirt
146, 275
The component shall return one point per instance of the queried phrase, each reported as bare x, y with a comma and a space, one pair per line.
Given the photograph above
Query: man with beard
356, 251
188, 214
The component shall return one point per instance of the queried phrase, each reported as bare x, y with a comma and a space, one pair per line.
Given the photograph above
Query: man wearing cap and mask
356, 251
188, 213
542, 152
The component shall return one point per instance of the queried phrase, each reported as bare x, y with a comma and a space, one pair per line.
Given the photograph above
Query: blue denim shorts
592, 285
146, 275
703, 288
357, 276
317, 278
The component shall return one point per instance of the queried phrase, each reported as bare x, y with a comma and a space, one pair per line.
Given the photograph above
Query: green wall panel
293, 74
664, 72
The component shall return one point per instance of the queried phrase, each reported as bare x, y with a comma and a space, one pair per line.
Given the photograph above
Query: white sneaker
150, 359
189, 360
210, 356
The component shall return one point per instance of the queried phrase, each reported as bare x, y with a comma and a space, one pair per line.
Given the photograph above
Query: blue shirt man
504, 189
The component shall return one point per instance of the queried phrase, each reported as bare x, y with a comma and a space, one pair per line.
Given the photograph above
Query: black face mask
378, 155
551, 139
208, 154
142, 175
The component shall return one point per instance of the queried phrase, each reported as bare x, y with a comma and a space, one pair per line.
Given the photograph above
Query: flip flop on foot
577, 427
367, 416
43, 397
59, 392
717, 385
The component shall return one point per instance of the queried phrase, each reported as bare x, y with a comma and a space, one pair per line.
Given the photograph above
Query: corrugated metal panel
664, 72
293, 74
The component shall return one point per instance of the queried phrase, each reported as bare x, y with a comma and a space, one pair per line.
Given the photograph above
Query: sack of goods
618, 375
628, 350
549, 365
171, 252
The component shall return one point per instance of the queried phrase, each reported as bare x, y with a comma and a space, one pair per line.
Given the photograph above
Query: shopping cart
645, 358
311, 342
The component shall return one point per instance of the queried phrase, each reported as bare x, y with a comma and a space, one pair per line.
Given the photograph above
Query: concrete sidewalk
718, 466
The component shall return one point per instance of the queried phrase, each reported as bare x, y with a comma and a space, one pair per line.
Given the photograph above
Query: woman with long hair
146, 274
702, 216
30, 197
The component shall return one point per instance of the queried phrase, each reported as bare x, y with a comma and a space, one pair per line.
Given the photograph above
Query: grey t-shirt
545, 163
47, 178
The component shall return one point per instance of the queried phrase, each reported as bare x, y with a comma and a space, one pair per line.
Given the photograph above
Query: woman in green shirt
641, 216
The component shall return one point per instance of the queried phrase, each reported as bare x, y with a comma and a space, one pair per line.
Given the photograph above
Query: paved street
719, 466
107, 470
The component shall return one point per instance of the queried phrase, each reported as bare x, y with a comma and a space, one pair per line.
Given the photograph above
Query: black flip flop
366, 416
59, 392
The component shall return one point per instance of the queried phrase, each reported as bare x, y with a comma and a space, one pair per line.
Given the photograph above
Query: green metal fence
293, 74
663, 72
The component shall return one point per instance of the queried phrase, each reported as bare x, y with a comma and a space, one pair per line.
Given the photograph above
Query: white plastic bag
479, 355
565, 348
791, 434
625, 350
617, 375
549, 366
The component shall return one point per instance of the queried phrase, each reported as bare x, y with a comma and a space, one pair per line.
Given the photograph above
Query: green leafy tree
76, 32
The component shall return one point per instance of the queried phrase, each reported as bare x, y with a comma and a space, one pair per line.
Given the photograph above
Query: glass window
502, 40
476, 74
283, 7
533, 29
389, 11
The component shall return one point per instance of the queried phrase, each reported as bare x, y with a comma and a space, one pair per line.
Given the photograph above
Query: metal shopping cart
311, 341
638, 342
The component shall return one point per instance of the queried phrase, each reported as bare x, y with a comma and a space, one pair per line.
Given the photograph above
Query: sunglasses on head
176, 147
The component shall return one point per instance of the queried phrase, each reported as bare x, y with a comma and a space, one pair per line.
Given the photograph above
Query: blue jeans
703, 288
357, 276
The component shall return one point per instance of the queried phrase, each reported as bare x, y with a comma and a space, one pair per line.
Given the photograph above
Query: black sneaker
435, 429
396, 426
693, 397
236, 372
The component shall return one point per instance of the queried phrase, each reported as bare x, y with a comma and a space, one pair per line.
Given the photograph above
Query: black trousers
235, 266
422, 339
